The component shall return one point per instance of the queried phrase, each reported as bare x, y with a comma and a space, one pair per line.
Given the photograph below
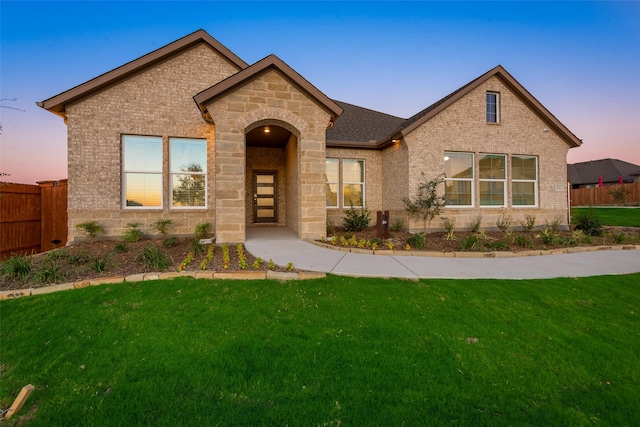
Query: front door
265, 197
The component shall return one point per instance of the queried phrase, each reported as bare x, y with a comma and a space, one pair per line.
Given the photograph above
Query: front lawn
622, 217
327, 352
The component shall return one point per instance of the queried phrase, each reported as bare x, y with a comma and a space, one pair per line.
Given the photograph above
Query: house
192, 133
604, 171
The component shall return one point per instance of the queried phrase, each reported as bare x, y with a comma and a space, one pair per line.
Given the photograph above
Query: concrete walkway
283, 246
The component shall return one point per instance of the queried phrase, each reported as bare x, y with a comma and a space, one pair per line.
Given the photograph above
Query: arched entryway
271, 197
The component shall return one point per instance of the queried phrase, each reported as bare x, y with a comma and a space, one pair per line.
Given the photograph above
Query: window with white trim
524, 181
188, 172
333, 181
458, 179
141, 172
352, 183
493, 107
492, 177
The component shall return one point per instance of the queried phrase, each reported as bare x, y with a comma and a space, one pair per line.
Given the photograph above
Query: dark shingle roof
358, 124
609, 169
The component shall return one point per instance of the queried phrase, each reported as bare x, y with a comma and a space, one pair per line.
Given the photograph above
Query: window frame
471, 180
337, 183
203, 173
536, 190
125, 172
345, 183
489, 180
495, 105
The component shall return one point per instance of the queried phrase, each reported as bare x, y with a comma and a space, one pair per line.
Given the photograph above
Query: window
492, 176
188, 169
352, 183
493, 107
458, 179
141, 171
524, 179
333, 181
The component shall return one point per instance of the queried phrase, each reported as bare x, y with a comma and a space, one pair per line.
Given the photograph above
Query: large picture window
188, 169
353, 183
458, 179
524, 180
492, 176
141, 172
333, 182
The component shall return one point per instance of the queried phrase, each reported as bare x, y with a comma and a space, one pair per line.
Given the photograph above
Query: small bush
80, 258
162, 226
497, 246
202, 230
397, 225
356, 219
120, 247
620, 194
170, 242
547, 236
196, 247
553, 226
528, 223
589, 222
48, 272
470, 243
331, 228
17, 267
152, 258
58, 255
523, 241
475, 224
100, 264
504, 222
619, 238
132, 233
90, 229
566, 241
417, 241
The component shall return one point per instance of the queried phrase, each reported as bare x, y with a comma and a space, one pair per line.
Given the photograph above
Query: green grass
622, 217
328, 352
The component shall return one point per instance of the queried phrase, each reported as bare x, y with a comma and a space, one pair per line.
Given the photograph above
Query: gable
58, 103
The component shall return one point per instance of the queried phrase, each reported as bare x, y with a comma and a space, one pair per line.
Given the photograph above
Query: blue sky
580, 59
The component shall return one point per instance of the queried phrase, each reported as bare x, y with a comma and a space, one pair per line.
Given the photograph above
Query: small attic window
493, 107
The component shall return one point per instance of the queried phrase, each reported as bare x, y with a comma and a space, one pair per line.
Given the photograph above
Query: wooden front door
265, 197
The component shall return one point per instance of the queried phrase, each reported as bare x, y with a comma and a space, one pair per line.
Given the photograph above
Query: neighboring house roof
609, 169
360, 126
270, 63
57, 104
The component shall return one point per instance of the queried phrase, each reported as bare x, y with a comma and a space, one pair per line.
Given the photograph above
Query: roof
358, 125
57, 104
609, 169
269, 63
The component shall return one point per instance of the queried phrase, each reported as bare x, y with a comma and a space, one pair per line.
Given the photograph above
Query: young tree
426, 204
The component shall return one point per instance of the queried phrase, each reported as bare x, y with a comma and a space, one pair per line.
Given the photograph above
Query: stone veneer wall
463, 127
292, 184
268, 99
373, 181
395, 175
266, 159
158, 102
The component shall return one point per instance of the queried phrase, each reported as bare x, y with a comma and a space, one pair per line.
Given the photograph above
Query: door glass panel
265, 179
265, 201
266, 191
265, 213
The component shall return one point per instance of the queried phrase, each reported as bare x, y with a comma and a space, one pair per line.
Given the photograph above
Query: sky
581, 60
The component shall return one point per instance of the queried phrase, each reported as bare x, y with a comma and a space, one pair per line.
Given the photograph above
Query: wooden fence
33, 218
599, 196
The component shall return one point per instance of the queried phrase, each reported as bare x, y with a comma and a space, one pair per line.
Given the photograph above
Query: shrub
331, 228
132, 233
120, 247
356, 219
90, 229
504, 222
497, 246
547, 236
170, 242
620, 194
57, 255
553, 226
528, 223
17, 267
619, 237
589, 222
162, 226
152, 258
523, 241
202, 230
397, 225
257, 263
417, 240
48, 272
197, 247
80, 258
475, 224
470, 243
100, 265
